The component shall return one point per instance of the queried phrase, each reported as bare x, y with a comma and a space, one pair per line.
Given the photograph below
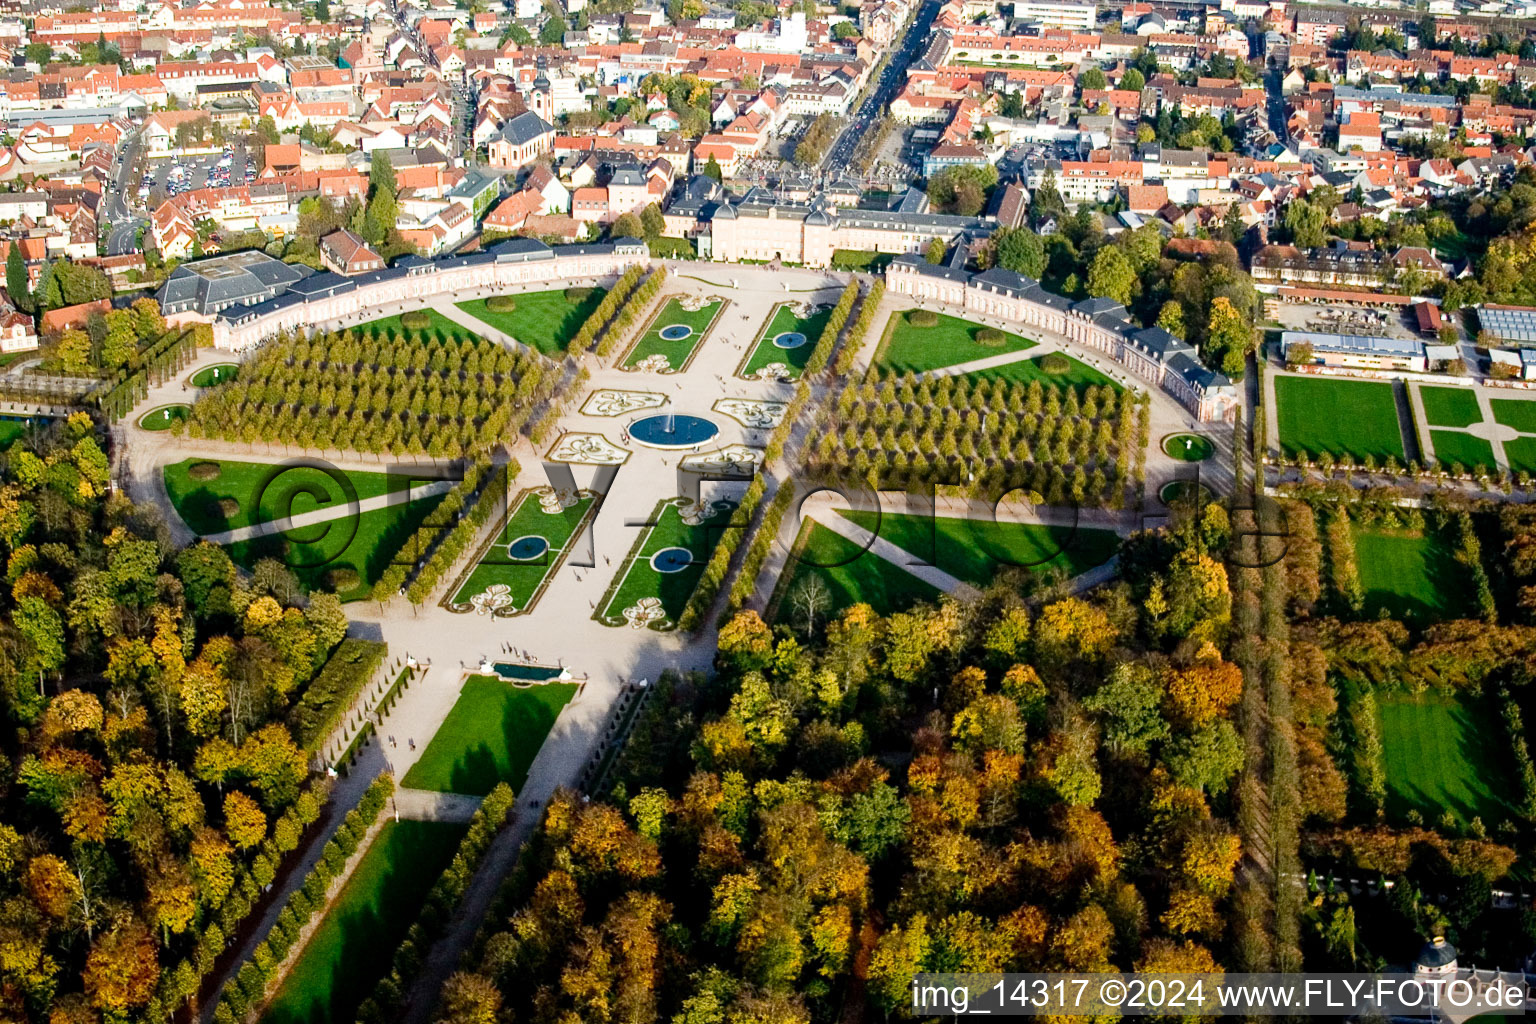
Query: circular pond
675, 332
163, 417
671, 560
525, 549
1188, 447
218, 373
672, 430
790, 339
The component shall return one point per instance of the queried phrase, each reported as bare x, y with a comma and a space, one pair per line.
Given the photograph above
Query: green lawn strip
442, 328
354, 945
492, 734
949, 342
284, 490
1453, 446
850, 574
1079, 375
975, 550
1437, 755
542, 320
525, 579
366, 544
1343, 417
1449, 407
1515, 412
784, 320
1414, 578
677, 352
218, 373
13, 429
1521, 453
637, 579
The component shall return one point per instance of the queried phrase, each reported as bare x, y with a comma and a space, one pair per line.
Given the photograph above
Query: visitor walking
412, 742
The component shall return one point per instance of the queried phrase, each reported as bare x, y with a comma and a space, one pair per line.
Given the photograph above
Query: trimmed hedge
606, 309
636, 305
250, 983
182, 982
437, 910
578, 294
501, 304
415, 320
203, 472
1055, 364
463, 534
332, 691
923, 318
989, 336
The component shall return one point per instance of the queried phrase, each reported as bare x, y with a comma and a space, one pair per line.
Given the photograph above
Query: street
891, 81
123, 222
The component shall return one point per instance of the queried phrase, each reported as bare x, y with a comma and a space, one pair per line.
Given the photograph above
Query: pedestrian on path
392, 741
412, 743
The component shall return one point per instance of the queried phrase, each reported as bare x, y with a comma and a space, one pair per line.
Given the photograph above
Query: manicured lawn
947, 343
1449, 407
1413, 578
218, 373
1443, 753
639, 579
498, 565
975, 551
1079, 374
283, 491
1521, 453
850, 575
354, 945
13, 428
542, 320
651, 343
164, 417
491, 735
784, 321
363, 545
1515, 412
389, 326
1188, 447
1453, 446
1344, 417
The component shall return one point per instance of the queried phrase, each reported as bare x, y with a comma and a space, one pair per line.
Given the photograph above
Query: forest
150, 784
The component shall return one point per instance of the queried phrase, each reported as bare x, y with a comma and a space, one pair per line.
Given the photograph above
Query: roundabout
1188, 447
164, 417
527, 548
670, 431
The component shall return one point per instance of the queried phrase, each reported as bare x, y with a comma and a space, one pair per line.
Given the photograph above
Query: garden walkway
429, 805
326, 515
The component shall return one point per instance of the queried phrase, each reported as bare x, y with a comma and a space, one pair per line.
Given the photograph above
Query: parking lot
214, 170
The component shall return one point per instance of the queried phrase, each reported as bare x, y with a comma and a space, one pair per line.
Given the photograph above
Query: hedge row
389, 996
824, 345
720, 560
557, 406
861, 326
605, 310
462, 536
1525, 771
757, 553
636, 306
329, 695
180, 983
249, 988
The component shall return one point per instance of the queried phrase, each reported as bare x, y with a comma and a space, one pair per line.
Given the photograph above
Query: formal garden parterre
786, 342
1350, 420
518, 561
658, 576
674, 334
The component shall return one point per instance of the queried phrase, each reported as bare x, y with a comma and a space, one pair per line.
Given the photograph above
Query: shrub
229, 507
328, 697
1055, 364
415, 320
204, 471
342, 580
989, 336
923, 318
578, 294
501, 304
